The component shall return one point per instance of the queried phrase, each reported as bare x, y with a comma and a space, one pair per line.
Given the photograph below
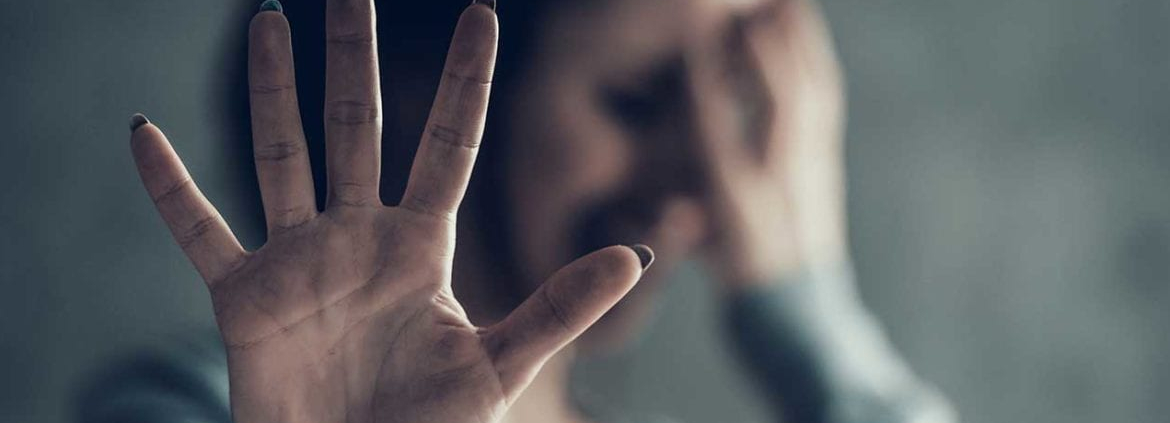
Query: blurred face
605, 150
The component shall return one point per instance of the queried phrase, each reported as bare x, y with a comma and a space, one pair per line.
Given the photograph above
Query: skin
349, 313
756, 204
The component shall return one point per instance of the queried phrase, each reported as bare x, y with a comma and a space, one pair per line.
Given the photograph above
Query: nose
667, 152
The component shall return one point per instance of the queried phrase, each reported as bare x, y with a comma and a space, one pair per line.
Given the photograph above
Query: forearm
815, 349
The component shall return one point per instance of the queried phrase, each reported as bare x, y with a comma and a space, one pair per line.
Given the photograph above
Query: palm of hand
365, 306
347, 314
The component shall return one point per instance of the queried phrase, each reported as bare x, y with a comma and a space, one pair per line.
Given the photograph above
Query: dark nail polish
645, 255
271, 5
489, 3
137, 121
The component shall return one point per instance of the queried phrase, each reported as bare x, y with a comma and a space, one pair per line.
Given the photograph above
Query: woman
709, 128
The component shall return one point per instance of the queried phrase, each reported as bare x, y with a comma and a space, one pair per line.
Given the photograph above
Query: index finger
450, 142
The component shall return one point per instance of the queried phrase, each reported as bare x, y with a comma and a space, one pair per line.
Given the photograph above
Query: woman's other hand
770, 115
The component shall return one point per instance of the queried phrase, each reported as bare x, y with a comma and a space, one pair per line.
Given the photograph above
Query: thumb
560, 310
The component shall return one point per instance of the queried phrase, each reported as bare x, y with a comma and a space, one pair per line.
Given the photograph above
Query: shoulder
183, 380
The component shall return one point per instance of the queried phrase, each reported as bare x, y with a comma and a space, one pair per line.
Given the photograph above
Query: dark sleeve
823, 358
185, 382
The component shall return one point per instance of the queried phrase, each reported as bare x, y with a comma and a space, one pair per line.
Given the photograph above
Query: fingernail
489, 3
645, 255
273, 5
137, 121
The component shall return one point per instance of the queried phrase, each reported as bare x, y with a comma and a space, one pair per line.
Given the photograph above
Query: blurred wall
1009, 211
87, 269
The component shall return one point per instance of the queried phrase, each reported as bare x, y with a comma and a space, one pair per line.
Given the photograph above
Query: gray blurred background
1008, 168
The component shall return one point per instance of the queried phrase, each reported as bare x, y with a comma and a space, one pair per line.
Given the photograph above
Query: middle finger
353, 104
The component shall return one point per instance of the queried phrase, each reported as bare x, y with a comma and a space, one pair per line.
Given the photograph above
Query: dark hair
412, 41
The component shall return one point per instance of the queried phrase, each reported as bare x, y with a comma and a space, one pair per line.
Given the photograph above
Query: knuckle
195, 232
350, 194
270, 88
287, 219
173, 190
557, 307
360, 39
351, 112
452, 136
424, 206
484, 81
278, 151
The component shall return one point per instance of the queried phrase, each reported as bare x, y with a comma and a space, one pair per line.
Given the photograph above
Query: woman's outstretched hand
347, 314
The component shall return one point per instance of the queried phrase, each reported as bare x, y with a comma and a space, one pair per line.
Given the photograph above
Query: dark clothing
822, 357
814, 349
